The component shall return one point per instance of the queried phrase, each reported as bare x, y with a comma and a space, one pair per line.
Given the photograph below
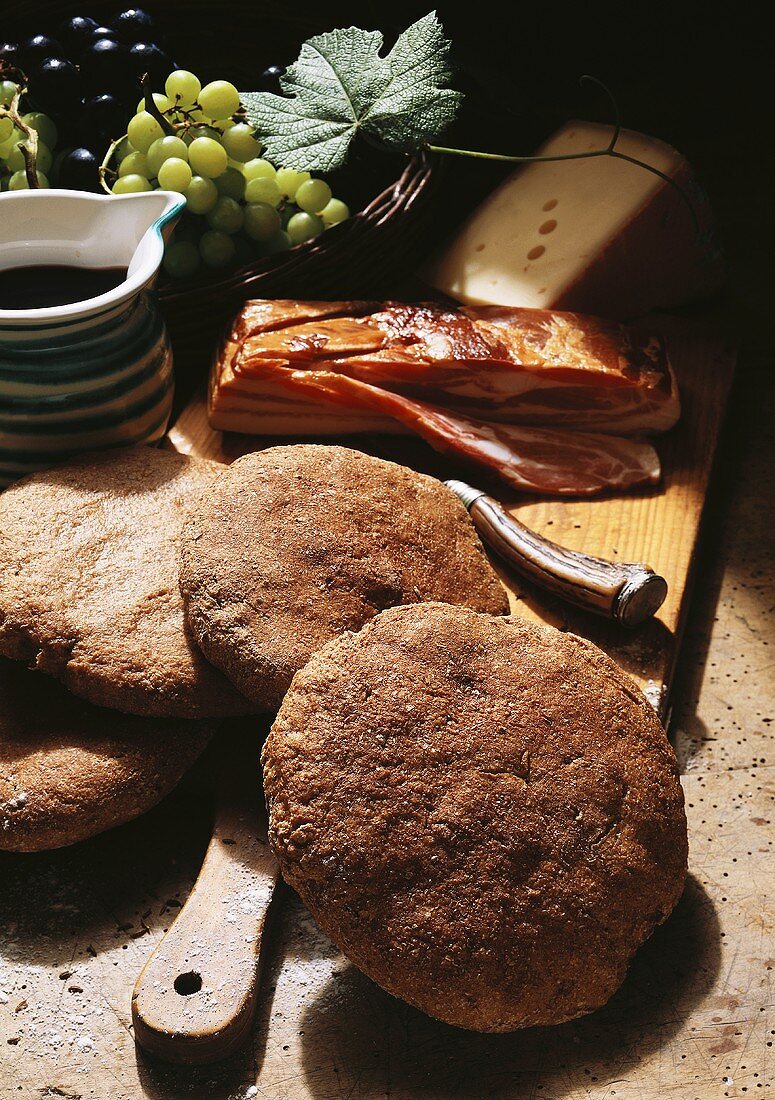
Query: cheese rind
596, 235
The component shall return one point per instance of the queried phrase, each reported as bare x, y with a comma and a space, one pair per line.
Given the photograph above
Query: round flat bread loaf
294, 545
89, 560
483, 814
69, 770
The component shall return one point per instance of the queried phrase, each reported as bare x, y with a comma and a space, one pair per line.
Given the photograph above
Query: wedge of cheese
598, 235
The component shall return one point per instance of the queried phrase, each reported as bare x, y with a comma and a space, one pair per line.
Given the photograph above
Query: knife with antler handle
625, 592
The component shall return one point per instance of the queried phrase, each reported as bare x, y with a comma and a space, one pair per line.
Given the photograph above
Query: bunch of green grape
239, 206
13, 174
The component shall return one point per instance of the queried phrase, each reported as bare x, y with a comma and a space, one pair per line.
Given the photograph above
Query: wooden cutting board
659, 527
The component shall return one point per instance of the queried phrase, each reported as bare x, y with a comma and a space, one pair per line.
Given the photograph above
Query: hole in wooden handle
188, 983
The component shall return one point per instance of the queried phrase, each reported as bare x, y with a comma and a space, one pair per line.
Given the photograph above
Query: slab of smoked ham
545, 399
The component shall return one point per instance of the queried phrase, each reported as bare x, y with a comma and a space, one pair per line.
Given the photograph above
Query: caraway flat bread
293, 545
485, 815
69, 769
89, 560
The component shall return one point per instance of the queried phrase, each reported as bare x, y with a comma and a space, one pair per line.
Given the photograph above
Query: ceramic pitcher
96, 373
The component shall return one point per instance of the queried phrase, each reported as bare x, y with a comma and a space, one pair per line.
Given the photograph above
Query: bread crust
294, 545
89, 593
484, 814
69, 769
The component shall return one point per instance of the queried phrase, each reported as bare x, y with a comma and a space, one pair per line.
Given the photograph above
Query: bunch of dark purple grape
87, 79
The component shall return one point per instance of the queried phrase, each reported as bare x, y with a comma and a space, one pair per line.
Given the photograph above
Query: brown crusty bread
69, 770
89, 593
485, 815
293, 545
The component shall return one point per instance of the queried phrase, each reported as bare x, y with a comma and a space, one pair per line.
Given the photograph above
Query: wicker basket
371, 251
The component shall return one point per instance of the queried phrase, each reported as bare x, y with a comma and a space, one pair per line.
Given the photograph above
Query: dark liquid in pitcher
46, 285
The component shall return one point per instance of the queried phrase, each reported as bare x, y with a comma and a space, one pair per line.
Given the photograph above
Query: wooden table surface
694, 1018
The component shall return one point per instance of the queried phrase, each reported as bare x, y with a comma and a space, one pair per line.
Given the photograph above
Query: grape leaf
340, 84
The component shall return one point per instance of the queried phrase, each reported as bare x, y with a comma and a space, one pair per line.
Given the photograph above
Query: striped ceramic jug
95, 373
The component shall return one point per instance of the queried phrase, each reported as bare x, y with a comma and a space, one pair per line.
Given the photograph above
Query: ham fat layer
540, 397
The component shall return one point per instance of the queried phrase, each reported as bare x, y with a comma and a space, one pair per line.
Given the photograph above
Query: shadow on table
735, 541
114, 888
357, 1040
222, 1081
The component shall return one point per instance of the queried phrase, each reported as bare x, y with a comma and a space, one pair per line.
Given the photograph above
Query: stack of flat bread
298, 544
484, 815
88, 559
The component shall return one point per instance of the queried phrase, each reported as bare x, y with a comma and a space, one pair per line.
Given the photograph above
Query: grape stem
150, 105
29, 148
169, 126
609, 151
104, 169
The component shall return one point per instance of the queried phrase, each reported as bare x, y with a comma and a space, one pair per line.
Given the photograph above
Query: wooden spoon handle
195, 999
626, 592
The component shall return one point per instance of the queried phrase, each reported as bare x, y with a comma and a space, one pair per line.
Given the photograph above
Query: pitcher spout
159, 209
152, 216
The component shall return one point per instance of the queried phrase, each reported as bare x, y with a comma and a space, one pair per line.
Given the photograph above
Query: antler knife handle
626, 592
